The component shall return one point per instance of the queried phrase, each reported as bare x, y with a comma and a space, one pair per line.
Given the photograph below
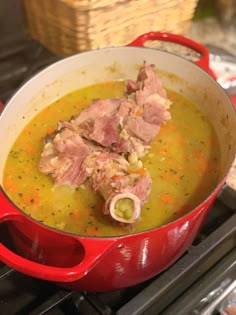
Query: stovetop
196, 284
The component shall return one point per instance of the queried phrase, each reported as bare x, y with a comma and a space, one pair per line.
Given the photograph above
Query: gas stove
198, 283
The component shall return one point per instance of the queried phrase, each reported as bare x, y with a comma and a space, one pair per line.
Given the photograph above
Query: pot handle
93, 251
203, 61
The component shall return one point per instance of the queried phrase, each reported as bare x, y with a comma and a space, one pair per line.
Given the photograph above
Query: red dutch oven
108, 263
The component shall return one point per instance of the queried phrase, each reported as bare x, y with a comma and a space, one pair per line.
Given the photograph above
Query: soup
183, 162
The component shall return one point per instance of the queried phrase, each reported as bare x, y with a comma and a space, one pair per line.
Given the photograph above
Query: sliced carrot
27, 170
166, 176
180, 139
9, 184
114, 177
162, 131
51, 130
31, 199
75, 214
140, 171
26, 199
172, 97
28, 148
90, 230
176, 178
172, 127
36, 199
203, 163
139, 113
27, 131
169, 176
163, 150
168, 199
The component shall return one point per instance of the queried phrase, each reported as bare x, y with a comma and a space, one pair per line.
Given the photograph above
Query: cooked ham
141, 129
106, 131
108, 173
99, 122
102, 167
149, 84
130, 144
152, 105
63, 156
123, 125
94, 147
98, 109
155, 110
142, 188
131, 86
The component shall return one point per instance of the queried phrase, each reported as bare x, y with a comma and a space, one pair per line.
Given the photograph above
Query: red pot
107, 263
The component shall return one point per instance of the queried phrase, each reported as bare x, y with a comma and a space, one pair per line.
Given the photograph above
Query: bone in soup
182, 162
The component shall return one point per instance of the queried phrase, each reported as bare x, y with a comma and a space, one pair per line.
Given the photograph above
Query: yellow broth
183, 162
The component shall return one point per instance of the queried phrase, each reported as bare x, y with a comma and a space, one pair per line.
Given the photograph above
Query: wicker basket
69, 26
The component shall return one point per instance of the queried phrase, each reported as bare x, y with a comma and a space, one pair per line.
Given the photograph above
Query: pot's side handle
93, 251
57, 274
178, 39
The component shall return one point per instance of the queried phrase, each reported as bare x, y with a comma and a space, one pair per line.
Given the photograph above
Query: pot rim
199, 208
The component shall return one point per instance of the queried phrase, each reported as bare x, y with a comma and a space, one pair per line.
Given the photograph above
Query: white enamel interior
119, 63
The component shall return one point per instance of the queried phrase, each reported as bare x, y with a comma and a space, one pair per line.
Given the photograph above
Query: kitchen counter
210, 31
